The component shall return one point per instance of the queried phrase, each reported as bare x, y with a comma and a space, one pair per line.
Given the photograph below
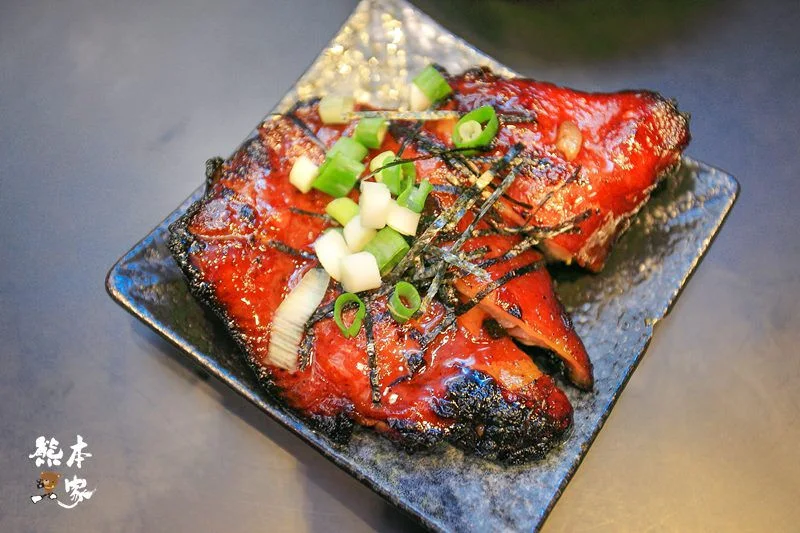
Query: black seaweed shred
306, 349
372, 357
298, 211
407, 139
308, 132
285, 248
456, 246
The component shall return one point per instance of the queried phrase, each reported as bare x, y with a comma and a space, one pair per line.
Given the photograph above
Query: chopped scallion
388, 247
414, 198
404, 302
402, 219
338, 308
349, 147
380, 160
356, 235
360, 272
290, 318
342, 210
333, 109
337, 175
428, 87
476, 129
397, 177
371, 131
303, 173
374, 204
330, 248
410, 170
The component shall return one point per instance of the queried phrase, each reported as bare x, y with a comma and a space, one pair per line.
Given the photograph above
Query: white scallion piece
360, 272
290, 318
470, 130
402, 219
330, 248
335, 109
417, 99
374, 204
303, 173
357, 236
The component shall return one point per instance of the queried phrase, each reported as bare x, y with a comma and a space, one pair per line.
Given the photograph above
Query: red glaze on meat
479, 392
242, 247
630, 140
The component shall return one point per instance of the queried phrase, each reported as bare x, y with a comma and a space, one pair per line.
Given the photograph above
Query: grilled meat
246, 244
630, 140
453, 373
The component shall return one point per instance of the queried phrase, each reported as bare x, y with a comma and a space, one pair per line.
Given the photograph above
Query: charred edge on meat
493, 427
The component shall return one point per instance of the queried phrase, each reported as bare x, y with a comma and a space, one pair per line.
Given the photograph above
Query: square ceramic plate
614, 312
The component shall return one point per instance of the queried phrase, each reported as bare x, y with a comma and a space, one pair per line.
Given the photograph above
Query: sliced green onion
409, 170
398, 177
388, 247
360, 272
399, 181
380, 160
469, 131
414, 198
334, 109
428, 87
476, 129
407, 186
338, 308
337, 175
349, 147
371, 131
342, 210
330, 248
289, 320
402, 219
374, 204
402, 310
303, 173
356, 235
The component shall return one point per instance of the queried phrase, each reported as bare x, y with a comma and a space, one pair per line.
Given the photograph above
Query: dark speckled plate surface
614, 312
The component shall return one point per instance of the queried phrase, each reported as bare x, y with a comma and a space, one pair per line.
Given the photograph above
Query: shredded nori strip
306, 349
299, 211
407, 139
465, 201
547, 197
434, 115
429, 155
449, 189
487, 204
278, 245
372, 357
390, 114
306, 130
460, 263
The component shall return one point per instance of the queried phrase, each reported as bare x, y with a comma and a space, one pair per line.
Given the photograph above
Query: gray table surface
107, 112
